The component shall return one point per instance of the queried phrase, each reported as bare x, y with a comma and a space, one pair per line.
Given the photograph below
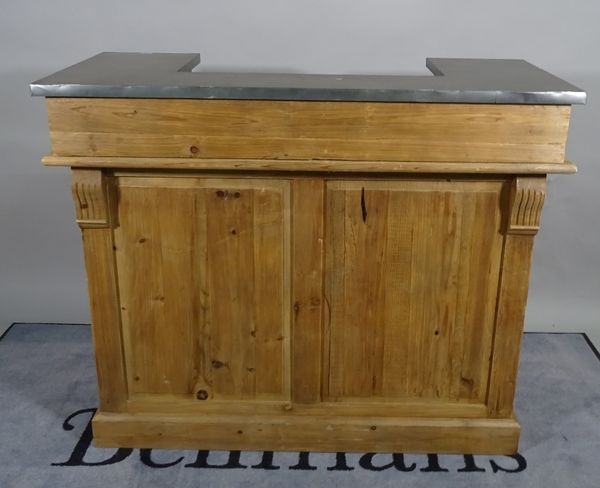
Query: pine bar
307, 262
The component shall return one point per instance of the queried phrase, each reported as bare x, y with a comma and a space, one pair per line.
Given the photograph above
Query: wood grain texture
337, 276
425, 407
254, 129
307, 289
89, 191
412, 272
313, 166
204, 279
525, 204
94, 199
221, 296
353, 434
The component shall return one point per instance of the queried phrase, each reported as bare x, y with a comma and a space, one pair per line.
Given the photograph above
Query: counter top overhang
169, 75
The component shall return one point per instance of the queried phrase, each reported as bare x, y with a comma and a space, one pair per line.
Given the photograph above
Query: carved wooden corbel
90, 190
525, 206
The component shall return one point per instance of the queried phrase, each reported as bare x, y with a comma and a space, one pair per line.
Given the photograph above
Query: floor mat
48, 395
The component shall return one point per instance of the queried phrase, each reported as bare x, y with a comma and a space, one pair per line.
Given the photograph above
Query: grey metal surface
163, 75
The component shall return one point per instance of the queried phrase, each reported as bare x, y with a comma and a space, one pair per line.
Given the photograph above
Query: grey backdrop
41, 271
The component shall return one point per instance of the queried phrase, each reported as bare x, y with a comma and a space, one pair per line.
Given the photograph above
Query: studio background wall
41, 264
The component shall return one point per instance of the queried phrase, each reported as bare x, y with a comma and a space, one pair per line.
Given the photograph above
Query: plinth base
314, 433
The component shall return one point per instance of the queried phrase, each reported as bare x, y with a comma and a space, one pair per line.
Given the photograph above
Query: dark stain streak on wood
363, 205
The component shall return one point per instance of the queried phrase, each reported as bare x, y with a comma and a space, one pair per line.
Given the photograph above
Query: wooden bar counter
307, 262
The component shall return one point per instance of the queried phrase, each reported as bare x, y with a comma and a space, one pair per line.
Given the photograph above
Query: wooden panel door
411, 279
204, 286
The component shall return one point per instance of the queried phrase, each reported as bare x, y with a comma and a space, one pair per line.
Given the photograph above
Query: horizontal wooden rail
310, 165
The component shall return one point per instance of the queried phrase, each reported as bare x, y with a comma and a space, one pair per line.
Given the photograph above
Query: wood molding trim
526, 202
90, 195
314, 166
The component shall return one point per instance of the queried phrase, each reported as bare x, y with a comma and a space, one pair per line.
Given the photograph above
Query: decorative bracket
90, 194
527, 196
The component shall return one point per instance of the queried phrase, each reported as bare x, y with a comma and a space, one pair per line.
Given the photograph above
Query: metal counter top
166, 75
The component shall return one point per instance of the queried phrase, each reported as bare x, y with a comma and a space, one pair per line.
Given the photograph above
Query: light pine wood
526, 201
307, 288
312, 165
89, 188
406, 407
94, 197
225, 298
525, 206
307, 130
349, 434
412, 274
320, 276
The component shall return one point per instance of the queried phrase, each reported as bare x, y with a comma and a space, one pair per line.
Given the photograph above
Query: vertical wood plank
177, 303
155, 255
142, 290
334, 294
396, 343
271, 291
523, 220
94, 196
484, 260
231, 274
360, 322
307, 289
202, 337
510, 315
248, 261
450, 235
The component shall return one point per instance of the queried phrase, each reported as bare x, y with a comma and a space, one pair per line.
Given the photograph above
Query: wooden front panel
203, 267
411, 279
291, 130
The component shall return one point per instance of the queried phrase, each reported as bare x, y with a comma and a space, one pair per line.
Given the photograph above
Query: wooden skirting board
314, 433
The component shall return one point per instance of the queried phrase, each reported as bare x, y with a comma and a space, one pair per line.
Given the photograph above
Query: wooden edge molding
525, 207
90, 195
314, 433
309, 165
